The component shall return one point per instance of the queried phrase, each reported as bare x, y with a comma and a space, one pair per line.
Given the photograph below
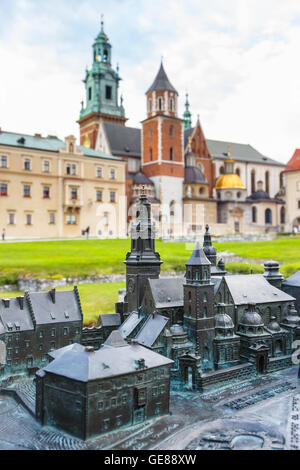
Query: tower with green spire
187, 117
101, 86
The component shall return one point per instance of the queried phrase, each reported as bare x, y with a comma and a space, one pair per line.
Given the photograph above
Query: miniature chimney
52, 293
6, 302
21, 302
272, 274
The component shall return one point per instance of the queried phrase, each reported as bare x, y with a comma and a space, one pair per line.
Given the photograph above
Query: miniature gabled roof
167, 292
293, 280
161, 81
198, 257
254, 288
109, 319
83, 364
151, 330
131, 322
13, 317
63, 307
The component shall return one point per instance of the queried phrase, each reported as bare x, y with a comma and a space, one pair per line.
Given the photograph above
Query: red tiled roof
294, 162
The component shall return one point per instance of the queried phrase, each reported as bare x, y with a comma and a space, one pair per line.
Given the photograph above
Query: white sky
238, 59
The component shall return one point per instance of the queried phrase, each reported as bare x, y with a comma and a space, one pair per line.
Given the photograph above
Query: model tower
199, 306
142, 262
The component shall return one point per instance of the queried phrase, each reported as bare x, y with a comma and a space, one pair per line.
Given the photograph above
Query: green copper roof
48, 144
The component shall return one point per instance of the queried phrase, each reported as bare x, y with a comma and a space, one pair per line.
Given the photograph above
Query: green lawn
88, 257
95, 299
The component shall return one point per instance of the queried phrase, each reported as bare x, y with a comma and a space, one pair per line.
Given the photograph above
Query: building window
44, 357
73, 169
46, 166
51, 218
26, 190
3, 189
171, 154
100, 405
28, 219
108, 92
268, 217
52, 346
41, 347
46, 192
238, 172
77, 331
150, 105
171, 131
68, 169
150, 154
112, 173
282, 215
99, 172
254, 215
71, 219
90, 93
159, 104
99, 196
27, 343
222, 170
267, 181
52, 331
41, 334
73, 193
27, 164
171, 105
253, 181
112, 196
3, 161
11, 218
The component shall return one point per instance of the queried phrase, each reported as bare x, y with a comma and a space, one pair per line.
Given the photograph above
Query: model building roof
15, 315
254, 288
109, 319
131, 322
167, 292
151, 330
114, 358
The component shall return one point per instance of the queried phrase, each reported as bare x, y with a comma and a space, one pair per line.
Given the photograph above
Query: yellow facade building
50, 188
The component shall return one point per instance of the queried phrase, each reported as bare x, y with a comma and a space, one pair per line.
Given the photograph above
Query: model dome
251, 318
177, 330
274, 325
222, 320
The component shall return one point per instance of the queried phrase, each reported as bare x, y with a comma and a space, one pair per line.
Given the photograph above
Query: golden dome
232, 181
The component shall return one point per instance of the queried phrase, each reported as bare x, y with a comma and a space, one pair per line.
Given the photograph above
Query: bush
288, 270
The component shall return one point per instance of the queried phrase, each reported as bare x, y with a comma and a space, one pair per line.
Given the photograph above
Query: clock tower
101, 87
142, 262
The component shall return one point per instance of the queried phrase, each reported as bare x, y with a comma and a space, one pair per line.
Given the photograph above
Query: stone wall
223, 376
277, 363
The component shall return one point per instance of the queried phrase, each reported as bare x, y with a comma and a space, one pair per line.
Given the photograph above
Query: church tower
199, 306
101, 86
142, 262
162, 148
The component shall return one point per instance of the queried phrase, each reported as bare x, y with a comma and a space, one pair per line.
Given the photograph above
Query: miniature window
99, 172
124, 399
3, 161
113, 402
26, 190
41, 347
27, 164
205, 312
190, 296
154, 391
162, 389
205, 297
27, 343
119, 421
190, 310
53, 329
11, 219
100, 405
77, 331
41, 334
105, 424
46, 192
17, 350
66, 331
44, 357
9, 351
3, 189
8, 363
52, 347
